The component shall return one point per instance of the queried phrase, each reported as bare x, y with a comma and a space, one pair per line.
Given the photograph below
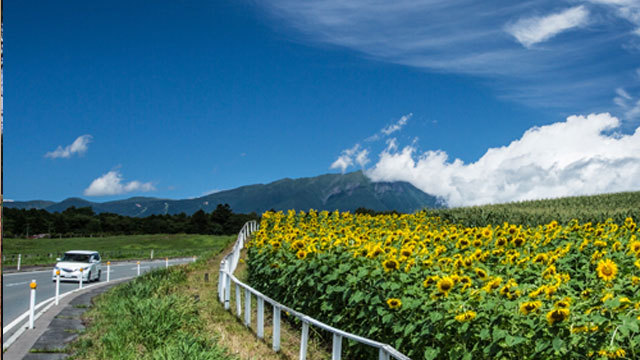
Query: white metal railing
227, 268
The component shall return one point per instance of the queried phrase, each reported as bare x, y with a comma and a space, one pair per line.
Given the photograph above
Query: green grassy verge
148, 318
175, 314
45, 251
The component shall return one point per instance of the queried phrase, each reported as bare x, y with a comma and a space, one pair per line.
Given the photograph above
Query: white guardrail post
81, 278
238, 301
166, 263
19, 260
32, 302
304, 340
276, 328
108, 270
138, 268
57, 286
260, 321
247, 308
336, 354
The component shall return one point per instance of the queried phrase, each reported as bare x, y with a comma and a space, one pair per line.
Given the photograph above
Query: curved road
15, 286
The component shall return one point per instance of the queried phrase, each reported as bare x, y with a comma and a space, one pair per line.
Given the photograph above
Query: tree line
84, 222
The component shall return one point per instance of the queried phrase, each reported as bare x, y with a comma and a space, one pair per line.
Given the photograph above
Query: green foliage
597, 208
83, 221
325, 265
147, 318
45, 251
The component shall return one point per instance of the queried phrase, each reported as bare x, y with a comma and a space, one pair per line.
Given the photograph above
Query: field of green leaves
45, 251
594, 209
434, 288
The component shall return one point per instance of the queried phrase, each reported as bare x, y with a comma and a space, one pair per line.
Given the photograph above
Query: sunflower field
434, 289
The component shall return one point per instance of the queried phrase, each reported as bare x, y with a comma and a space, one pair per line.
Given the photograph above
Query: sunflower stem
613, 336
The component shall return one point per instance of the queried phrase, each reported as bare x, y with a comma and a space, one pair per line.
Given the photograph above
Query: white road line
25, 272
16, 284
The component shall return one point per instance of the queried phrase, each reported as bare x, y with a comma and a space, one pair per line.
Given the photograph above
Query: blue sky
177, 99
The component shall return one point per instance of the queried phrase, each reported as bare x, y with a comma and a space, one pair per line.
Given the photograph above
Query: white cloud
347, 158
359, 155
79, 146
362, 158
533, 30
630, 107
111, 184
567, 158
626, 9
397, 126
468, 37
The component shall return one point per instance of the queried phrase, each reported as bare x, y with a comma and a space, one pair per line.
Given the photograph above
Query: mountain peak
325, 192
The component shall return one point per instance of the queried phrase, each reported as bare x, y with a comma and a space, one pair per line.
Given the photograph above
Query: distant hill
326, 192
33, 204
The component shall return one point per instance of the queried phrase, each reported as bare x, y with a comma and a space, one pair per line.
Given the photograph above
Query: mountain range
344, 192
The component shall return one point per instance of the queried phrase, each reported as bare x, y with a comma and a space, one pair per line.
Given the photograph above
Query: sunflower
394, 303
430, 280
406, 252
301, 254
607, 269
375, 252
445, 284
466, 316
391, 264
530, 306
298, 245
482, 274
462, 243
557, 315
563, 304
519, 241
501, 242
540, 258
634, 246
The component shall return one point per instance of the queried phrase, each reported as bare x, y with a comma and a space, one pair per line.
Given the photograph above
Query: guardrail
228, 267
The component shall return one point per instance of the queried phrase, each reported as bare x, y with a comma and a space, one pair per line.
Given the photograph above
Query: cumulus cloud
349, 156
359, 155
111, 184
574, 157
533, 30
79, 146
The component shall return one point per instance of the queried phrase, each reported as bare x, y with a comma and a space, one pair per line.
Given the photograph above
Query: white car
73, 261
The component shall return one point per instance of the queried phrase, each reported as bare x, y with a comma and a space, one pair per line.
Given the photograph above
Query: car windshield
76, 257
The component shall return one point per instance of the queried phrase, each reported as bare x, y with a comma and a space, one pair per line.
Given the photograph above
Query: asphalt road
15, 286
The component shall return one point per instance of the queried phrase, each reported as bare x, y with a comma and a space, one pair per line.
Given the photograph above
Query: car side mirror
93, 261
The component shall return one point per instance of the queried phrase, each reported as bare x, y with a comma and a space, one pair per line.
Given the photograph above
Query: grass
237, 338
175, 314
149, 317
45, 251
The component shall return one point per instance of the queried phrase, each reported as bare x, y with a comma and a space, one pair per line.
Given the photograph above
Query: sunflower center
557, 315
607, 270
